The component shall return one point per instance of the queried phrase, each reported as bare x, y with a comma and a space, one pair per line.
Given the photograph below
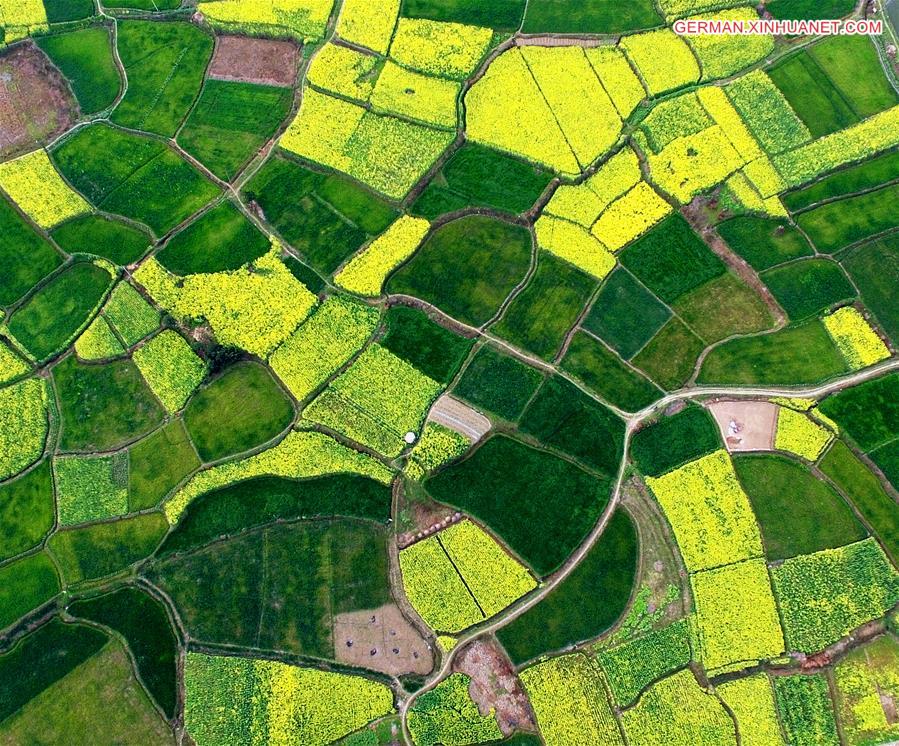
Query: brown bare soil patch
495, 685
746, 425
382, 640
457, 416
36, 104
428, 518
249, 60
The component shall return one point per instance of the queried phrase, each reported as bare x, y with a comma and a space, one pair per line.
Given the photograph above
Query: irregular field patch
250, 60
467, 267
35, 103
499, 483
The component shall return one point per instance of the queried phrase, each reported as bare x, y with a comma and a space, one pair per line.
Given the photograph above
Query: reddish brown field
495, 685
36, 104
249, 60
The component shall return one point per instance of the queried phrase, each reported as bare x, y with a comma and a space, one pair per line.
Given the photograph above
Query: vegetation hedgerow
171, 368
23, 425
447, 715
570, 702
90, 488
34, 184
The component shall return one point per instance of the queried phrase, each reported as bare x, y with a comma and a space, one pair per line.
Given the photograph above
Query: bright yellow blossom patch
710, 515
451, 50
255, 308
305, 19
721, 55
506, 110
570, 701
630, 216
234, 699
663, 59
581, 106
751, 699
618, 77
736, 615
796, 433
366, 271
34, 185
692, 164
368, 23
21, 18
300, 455
460, 576
873, 135
573, 244
719, 107
342, 70
855, 339
429, 100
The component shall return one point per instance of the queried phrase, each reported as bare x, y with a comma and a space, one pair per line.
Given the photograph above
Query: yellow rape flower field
366, 271
35, 185
856, 340
709, 512
798, 434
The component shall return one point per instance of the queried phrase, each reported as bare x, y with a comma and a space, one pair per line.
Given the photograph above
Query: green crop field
423, 372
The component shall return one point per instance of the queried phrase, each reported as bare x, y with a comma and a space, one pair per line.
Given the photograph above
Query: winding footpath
633, 423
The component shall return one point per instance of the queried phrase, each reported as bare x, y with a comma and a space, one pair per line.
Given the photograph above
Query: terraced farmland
447, 372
